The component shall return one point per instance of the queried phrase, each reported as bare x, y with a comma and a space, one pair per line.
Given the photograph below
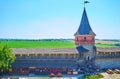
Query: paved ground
48, 78
110, 76
106, 76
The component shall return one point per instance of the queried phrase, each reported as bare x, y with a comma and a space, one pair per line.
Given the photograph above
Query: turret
85, 38
84, 34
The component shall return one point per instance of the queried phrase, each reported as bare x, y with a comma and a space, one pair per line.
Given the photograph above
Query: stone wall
90, 53
45, 64
105, 63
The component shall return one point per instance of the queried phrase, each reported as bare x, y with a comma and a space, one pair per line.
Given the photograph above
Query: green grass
38, 44
94, 76
47, 44
38, 78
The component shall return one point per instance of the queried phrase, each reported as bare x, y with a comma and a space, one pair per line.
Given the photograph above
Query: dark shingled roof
81, 49
84, 27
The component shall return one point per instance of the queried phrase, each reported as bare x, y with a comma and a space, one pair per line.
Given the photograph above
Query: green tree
6, 57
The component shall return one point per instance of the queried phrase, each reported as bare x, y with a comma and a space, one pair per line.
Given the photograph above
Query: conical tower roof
84, 28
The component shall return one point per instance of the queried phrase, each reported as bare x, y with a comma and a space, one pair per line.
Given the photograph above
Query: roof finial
85, 2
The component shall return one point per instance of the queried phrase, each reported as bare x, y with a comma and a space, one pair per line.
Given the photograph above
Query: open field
53, 43
107, 43
38, 44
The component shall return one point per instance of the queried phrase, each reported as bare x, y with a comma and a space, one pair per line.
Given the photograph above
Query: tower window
92, 39
84, 39
77, 39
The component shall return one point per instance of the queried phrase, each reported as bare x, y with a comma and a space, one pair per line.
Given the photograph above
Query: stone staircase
89, 67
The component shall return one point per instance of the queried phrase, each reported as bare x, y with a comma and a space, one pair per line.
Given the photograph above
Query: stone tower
85, 39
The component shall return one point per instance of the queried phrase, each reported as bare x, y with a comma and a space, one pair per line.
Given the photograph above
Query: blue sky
39, 19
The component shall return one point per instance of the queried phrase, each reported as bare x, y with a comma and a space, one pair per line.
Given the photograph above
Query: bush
94, 76
100, 76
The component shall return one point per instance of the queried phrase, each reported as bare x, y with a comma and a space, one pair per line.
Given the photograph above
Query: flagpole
84, 3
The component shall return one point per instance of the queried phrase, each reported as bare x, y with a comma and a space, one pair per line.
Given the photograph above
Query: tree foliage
6, 57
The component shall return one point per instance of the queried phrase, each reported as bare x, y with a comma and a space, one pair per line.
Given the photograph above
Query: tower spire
84, 28
84, 34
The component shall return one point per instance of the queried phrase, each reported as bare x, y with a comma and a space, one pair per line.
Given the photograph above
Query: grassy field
52, 44
107, 43
38, 44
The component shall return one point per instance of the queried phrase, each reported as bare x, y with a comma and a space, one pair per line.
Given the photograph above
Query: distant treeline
118, 45
36, 39
114, 40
